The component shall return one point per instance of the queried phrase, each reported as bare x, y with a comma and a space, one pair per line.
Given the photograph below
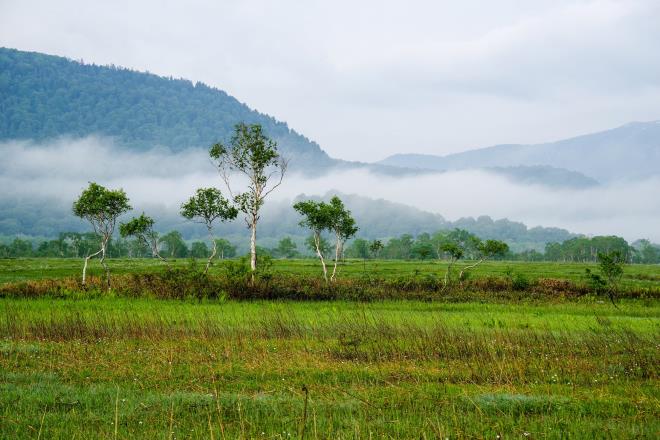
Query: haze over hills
629, 152
64, 123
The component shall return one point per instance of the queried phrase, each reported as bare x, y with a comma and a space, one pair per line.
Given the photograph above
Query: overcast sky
372, 78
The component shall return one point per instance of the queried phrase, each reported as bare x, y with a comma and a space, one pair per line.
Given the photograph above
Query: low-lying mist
161, 180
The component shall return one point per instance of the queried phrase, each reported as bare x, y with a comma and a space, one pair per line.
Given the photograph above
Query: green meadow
111, 366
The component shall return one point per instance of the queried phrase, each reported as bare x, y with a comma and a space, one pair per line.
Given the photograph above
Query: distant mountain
624, 153
44, 97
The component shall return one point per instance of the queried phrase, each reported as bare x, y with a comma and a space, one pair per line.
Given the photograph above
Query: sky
373, 78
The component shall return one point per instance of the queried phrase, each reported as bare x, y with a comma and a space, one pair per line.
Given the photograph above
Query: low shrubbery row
236, 283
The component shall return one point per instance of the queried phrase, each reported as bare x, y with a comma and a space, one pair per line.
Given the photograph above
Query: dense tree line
581, 249
406, 247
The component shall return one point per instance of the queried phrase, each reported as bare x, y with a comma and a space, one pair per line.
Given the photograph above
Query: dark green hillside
44, 96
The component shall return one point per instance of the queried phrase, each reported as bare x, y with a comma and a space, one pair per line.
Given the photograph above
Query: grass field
21, 269
114, 367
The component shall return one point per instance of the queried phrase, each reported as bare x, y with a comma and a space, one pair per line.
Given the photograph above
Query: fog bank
59, 170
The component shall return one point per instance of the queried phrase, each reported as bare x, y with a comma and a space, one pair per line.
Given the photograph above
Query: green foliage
610, 266
585, 249
225, 248
286, 248
375, 247
139, 227
359, 248
331, 217
208, 205
199, 249
324, 245
175, 247
101, 207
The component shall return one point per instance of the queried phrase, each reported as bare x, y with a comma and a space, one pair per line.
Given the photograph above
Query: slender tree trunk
317, 242
104, 264
87, 258
446, 282
460, 276
337, 254
215, 250
253, 244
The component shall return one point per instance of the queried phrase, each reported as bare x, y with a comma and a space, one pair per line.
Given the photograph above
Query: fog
157, 178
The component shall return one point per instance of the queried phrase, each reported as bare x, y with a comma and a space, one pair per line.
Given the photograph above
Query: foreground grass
119, 368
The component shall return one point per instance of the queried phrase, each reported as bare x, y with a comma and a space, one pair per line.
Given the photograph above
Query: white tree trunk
87, 258
253, 244
103, 263
460, 276
317, 243
213, 253
337, 254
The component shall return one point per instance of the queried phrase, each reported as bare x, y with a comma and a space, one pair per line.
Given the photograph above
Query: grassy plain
22, 269
111, 367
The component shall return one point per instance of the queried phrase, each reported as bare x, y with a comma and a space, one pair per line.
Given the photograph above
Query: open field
21, 269
107, 366
170, 369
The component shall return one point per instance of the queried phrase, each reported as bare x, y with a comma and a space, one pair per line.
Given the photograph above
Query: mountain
629, 152
44, 97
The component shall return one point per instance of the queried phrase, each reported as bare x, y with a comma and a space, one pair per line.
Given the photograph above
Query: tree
142, 228
286, 248
317, 217
610, 266
174, 244
251, 153
455, 253
207, 206
324, 244
199, 249
359, 248
225, 248
344, 227
485, 250
332, 217
375, 247
101, 207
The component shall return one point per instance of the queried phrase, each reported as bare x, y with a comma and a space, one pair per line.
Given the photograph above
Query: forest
405, 247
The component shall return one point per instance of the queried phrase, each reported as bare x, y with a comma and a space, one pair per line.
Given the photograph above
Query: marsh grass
378, 370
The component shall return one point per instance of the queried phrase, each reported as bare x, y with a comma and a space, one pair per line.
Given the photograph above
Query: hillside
628, 152
44, 97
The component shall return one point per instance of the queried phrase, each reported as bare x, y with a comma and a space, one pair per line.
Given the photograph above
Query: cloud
373, 78
163, 180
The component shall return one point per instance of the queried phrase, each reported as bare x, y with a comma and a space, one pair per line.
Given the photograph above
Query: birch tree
101, 207
332, 217
207, 206
252, 154
485, 250
317, 217
142, 228
344, 227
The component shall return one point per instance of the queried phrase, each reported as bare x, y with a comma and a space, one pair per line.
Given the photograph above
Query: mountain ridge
628, 152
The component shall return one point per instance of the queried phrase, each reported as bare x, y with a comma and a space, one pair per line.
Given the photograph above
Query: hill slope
45, 96
631, 151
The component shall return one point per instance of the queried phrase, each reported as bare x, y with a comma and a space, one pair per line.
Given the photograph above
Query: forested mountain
628, 152
45, 96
